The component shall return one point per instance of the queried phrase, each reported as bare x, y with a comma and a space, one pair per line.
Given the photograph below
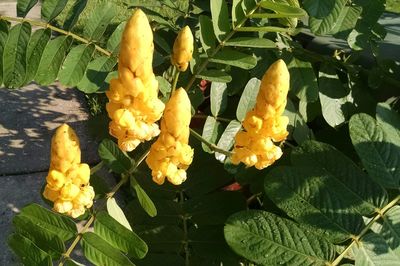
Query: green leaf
116, 212
215, 76
347, 21
4, 28
297, 127
99, 252
144, 200
237, 12
379, 156
220, 18
248, 99
390, 230
351, 181
218, 98
389, 120
251, 42
36, 47
52, 8
284, 9
234, 58
74, 13
309, 195
60, 225
97, 23
113, 43
323, 14
207, 36
211, 130
373, 250
96, 73
28, 252
267, 239
335, 100
303, 81
52, 59
14, 55
119, 237
227, 138
75, 64
24, 6
44, 239
110, 153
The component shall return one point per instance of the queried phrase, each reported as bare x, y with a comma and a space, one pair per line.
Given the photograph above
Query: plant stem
379, 214
96, 168
220, 45
175, 80
227, 120
209, 144
53, 28
124, 179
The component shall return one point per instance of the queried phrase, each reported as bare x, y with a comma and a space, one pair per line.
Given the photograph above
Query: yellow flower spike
133, 104
171, 155
183, 49
67, 176
264, 125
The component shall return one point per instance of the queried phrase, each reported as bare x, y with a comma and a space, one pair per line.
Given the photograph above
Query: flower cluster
171, 155
183, 49
133, 104
264, 124
68, 179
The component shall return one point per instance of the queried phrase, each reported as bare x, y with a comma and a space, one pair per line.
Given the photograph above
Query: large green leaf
36, 47
218, 98
14, 55
250, 42
303, 81
211, 130
379, 156
220, 18
283, 9
390, 229
52, 59
248, 99
52, 8
44, 239
75, 64
24, 6
389, 120
372, 250
215, 75
144, 200
116, 212
60, 225
113, 43
231, 57
97, 23
28, 252
119, 236
310, 195
346, 21
99, 252
207, 36
73, 13
351, 181
297, 127
335, 99
110, 153
267, 239
227, 138
4, 28
96, 73
237, 12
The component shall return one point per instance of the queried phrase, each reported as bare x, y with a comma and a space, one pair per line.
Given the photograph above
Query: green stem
124, 179
220, 45
227, 120
175, 81
379, 214
53, 28
209, 144
96, 168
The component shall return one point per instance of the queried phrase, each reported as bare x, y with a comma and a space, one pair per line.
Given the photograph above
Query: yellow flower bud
62, 206
183, 49
50, 194
79, 175
69, 191
55, 179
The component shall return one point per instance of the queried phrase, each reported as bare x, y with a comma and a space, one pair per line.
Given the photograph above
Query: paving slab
28, 118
